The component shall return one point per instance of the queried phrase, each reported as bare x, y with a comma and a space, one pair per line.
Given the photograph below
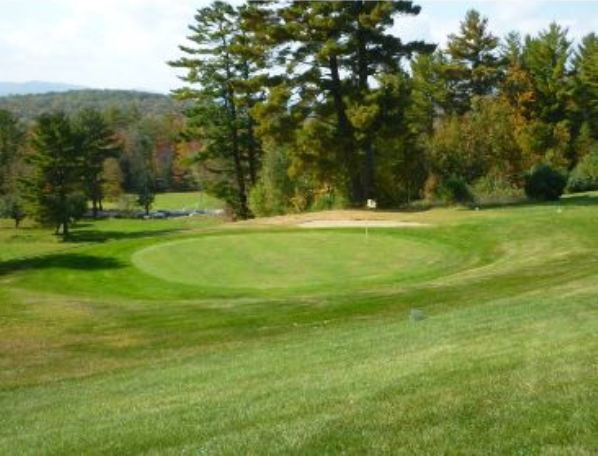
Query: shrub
544, 183
454, 190
584, 176
329, 200
273, 192
431, 187
127, 204
496, 190
13, 207
77, 205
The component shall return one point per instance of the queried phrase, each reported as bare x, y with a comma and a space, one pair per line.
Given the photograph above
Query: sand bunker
359, 224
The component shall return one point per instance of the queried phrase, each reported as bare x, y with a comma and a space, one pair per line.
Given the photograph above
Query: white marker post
371, 204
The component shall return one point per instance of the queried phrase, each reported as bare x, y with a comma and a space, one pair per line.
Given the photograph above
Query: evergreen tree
54, 186
96, 143
12, 137
143, 170
334, 51
219, 65
548, 134
373, 53
585, 68
474, 65
545, 57
429, 92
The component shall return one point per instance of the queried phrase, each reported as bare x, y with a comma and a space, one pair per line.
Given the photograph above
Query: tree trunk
94, 207
239, 174
252, 153
369, 176
252, 148
346, 133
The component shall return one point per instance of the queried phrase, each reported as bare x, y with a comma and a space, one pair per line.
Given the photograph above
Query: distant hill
34, 87
30, 106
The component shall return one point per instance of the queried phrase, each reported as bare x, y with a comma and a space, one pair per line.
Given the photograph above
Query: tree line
53, 168
29, 107
293, 106
301, 105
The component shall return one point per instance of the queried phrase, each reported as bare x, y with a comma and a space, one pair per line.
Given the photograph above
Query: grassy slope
98, 356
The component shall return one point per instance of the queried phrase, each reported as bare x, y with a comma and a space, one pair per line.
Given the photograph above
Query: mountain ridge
34, 87
29, 106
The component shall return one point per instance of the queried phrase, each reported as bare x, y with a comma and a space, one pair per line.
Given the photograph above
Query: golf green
289, 259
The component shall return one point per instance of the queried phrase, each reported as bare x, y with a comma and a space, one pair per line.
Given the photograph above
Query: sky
125, 44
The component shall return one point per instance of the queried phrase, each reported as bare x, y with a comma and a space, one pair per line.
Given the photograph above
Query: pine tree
55, 184
585, 69
549, 133
474, 65
429, 92
219, 66
96, 143
12, 138
334, 51
545, 57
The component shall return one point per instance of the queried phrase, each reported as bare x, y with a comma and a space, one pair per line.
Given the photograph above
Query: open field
195, 336
179, 201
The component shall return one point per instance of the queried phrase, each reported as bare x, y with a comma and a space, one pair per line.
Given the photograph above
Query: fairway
195, 336
275, 260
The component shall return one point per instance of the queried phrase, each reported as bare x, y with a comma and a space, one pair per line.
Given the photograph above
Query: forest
29, 107
304, 105
297, 106
120, 146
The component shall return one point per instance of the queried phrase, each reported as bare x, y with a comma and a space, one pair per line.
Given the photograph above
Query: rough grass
98, 356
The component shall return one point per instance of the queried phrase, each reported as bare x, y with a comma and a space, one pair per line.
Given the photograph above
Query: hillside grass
189, 335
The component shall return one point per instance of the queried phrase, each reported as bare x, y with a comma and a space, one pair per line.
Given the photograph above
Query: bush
273, 192
127, 204
13, 207
329, 200
76, 203
454, 190
584, 176
544, 183
496, 190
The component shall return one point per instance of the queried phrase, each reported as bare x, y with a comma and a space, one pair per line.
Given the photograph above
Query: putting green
291, 259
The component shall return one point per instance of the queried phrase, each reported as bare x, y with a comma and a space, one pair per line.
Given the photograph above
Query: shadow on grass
85, 235
566, 200
582, 199
579, 200
73, 261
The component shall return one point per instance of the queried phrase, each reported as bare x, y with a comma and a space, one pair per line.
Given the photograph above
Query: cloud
126, 43
112, 43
